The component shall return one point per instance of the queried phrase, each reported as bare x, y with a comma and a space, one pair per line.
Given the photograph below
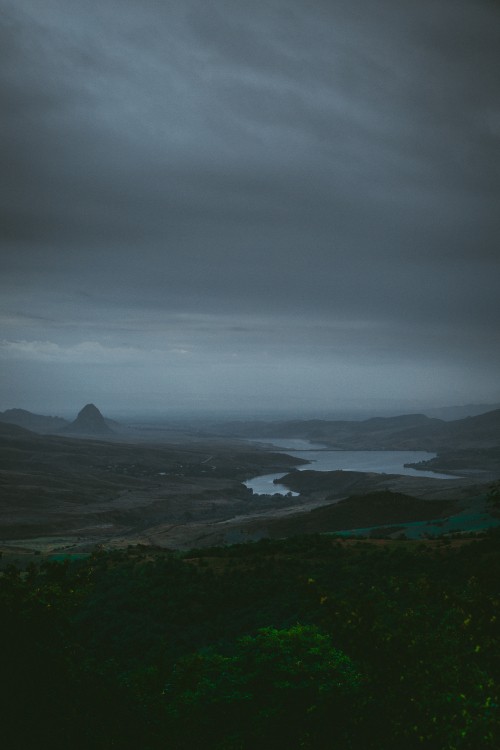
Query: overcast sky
289, 204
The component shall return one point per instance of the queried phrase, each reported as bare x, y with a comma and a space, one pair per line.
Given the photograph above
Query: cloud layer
286, 192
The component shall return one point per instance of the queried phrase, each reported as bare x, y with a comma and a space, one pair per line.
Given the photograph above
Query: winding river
322, 458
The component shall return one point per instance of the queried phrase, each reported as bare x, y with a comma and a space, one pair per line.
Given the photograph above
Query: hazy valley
96, 481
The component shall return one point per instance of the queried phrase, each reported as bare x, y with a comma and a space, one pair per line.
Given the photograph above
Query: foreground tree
278, 689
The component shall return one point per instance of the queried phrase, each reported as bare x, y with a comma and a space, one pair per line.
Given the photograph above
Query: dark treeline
301, 643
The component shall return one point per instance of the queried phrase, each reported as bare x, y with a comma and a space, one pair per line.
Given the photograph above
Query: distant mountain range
33, 422
88, 422
449, 413
405, 432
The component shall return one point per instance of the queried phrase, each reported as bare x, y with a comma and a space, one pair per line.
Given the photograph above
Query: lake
322, 458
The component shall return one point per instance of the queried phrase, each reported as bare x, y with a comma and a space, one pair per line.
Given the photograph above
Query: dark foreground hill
8, 430
372, 509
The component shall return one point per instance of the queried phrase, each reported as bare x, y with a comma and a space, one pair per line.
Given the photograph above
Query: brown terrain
72, 490
90, 489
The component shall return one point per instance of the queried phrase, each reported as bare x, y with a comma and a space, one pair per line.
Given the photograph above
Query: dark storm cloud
332, 163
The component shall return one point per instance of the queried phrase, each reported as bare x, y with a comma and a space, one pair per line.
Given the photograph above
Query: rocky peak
90, 422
